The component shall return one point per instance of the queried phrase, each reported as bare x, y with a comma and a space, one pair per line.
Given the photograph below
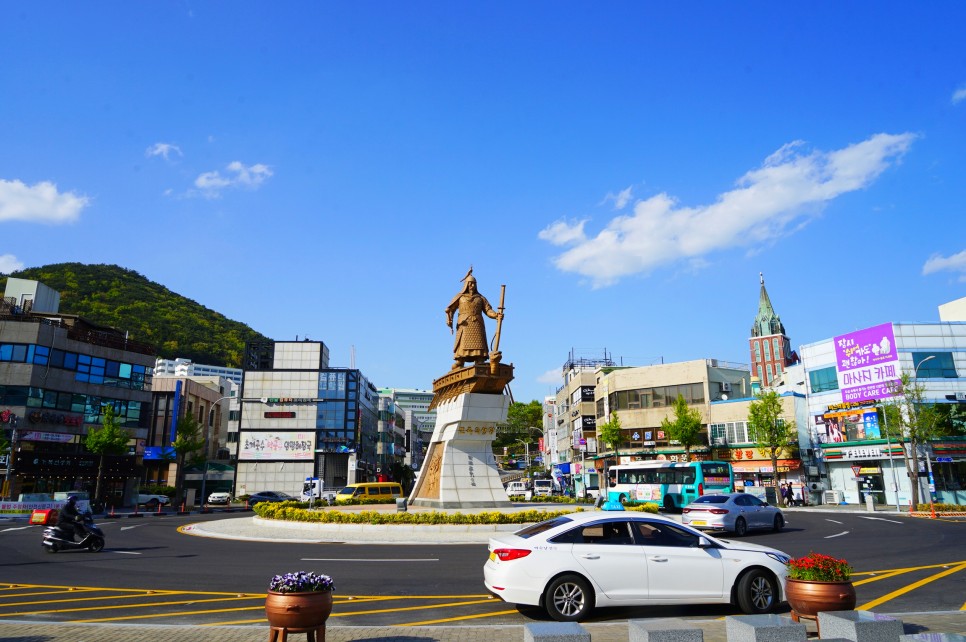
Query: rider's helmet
72, 501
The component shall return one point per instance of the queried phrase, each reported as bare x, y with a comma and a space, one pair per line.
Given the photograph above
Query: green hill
151, 313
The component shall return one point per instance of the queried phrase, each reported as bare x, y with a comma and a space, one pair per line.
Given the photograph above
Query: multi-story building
175, 398
850, 376
574, 440
57, 373
300, 418
420, 421
187, 368
392, 427
642, 397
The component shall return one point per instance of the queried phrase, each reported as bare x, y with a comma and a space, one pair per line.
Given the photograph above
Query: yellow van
388, 491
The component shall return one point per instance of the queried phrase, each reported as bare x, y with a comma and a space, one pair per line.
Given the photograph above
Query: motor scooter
61, 537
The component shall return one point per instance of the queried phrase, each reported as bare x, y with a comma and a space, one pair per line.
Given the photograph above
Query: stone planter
808, 597
297, 613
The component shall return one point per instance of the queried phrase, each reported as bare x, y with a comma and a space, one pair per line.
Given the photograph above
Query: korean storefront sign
265, 445
867, 363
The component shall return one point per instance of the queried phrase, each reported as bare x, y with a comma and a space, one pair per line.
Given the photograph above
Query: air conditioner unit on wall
725, 386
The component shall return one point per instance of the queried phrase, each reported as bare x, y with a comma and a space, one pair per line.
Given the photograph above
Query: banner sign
867, 363
276, 446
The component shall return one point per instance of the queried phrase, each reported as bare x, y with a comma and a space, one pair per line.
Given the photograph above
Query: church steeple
771, 350
767, 322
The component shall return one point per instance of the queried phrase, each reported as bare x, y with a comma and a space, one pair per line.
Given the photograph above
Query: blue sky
627, 169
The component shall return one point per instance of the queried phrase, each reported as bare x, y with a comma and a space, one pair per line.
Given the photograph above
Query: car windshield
347, 491
542, 527
711, 499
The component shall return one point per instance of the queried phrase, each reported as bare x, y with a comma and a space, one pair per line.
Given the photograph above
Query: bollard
401, 506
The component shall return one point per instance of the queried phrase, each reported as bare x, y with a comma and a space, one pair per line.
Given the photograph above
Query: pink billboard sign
867, 363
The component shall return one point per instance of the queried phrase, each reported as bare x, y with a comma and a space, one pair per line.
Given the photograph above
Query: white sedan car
219, 498
573, 563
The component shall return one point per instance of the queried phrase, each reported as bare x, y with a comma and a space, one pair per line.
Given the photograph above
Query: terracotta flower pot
809, 597
298, 612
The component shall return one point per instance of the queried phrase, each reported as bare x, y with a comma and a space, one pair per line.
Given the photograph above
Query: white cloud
9, 263
954, 263
621, 199
163, 149
552, 376
212, 183
40, 203
790, 188
959, 95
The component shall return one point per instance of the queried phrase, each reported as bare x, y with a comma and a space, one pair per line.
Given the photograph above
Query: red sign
856, 470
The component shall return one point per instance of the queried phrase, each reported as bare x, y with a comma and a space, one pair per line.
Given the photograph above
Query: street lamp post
915, 418
892, 465
526, 446
211, 419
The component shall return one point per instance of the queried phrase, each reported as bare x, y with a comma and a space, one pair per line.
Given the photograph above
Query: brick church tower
771, 350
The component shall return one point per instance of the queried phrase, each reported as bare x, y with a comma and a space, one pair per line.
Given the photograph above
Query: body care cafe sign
867, 363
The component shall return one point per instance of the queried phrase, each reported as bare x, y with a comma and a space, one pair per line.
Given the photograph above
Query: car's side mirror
704, 542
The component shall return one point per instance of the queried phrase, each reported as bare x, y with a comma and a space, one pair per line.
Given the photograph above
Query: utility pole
8, 483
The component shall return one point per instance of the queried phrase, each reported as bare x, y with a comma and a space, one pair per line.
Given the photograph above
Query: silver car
735, 512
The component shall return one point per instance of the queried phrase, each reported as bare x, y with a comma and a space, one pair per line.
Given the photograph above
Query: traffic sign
856, 470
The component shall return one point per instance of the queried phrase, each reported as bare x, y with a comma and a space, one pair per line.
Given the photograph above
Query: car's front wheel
757, 592
779, 523
569, 598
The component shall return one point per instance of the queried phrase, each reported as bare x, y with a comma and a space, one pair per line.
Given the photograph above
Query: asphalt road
149, 571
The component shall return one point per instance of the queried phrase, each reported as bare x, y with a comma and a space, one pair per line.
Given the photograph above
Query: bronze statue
470, 344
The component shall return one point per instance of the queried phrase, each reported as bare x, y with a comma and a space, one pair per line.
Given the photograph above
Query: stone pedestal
460, 470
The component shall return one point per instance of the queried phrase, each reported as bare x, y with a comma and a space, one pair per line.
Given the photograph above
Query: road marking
127, 528
15, 528
457, 619
881, 519
837, 535
906, 589
834, 521
368, 559
125, 552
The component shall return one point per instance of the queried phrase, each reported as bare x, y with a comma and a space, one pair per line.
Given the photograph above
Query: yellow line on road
457, 619
422, 607
132, 606
912, 568
911, 587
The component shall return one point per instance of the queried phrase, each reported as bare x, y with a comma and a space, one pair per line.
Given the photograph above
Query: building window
940, 367
823, 380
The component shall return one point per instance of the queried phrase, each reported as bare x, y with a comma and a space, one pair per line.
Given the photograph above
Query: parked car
270, 496
219, 498
573, 563
735, 512
153, 501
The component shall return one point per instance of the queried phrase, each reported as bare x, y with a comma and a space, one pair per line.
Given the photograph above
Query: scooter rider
70, 519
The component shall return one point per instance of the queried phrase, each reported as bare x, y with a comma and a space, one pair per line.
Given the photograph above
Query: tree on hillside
109, 439
769, 430
188, 439
686, 427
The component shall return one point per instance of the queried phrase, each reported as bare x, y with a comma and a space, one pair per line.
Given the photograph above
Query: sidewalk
714, 631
